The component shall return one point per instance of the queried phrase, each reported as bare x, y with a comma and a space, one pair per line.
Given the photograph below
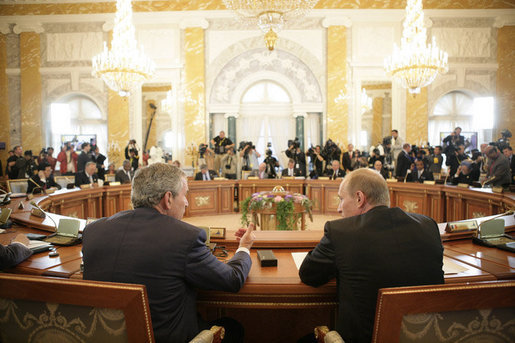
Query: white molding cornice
337, 21
194, 22
36, 27
504, 20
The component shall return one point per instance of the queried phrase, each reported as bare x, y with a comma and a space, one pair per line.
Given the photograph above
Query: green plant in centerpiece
284, 206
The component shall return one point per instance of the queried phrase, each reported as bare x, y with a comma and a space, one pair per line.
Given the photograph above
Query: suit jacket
169, 257
82, 179
296, 172
13, 254
82, 160
425, 176
384, 247
339, 173
500, 168
212, 175
403, 164
512, 167
122, 177
50, 182
347, 161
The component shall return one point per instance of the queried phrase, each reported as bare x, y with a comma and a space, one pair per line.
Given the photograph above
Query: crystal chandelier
269, 15
124, 66
415, 64
366, 101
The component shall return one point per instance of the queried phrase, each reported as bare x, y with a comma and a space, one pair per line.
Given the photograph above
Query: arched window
452, 110
77, 115
265, 92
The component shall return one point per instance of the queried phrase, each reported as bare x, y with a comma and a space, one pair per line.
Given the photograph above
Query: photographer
454, 160
131, 145
297, 155
317, 160
271, 163
331, 152
436, 160
67, 159
31, 168
229, 164
221, 144
452, 142
249, 155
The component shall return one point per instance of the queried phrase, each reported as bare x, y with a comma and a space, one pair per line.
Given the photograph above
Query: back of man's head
151, 183
371, 183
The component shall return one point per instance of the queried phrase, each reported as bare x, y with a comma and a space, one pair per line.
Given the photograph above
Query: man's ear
166, 201
361, 198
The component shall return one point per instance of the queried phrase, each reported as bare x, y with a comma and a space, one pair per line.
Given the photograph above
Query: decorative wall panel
464, 42
4, 100
505, 86
76, 46
416, 117
14, 110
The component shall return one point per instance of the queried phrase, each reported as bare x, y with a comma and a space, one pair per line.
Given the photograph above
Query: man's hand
246, 236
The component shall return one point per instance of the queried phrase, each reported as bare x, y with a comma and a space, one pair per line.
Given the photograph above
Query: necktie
205, 178
129, 175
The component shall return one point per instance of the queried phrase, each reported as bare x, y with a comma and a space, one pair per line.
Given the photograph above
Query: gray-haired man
150, 245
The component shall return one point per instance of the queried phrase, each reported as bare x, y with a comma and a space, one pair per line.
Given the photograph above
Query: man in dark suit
87, 176
347, 158
42, 181
335, 171
499, 173
508, 153
372, 247
150, 245
419, 173
291, 170
468, 172
84, 157
15, 252
126, 174
205, 174
403, 161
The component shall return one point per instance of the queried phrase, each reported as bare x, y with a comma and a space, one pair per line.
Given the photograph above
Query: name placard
114, 183
429, 182
463, 185
462, 226
392, 180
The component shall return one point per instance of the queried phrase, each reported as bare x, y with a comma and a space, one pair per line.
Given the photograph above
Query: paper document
450, 267
33, 244
298, 258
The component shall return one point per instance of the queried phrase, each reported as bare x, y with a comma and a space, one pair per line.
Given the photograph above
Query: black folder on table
491, 234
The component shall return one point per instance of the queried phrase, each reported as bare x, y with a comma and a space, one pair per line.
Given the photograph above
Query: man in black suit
453, 141
419, 173
126, 174
84, 157
42, 181
205, 174
150, 245
468, 172
372, 247
499, 173
15, 252
508, 153
87, 176
403, 161
347, 158
335, 171
291, 170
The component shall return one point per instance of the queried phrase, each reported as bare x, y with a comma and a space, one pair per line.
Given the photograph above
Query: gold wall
194, 111
506, 80
4, 102
191, 5
118, 128
377, 120
416, 117
31, 114
337, 122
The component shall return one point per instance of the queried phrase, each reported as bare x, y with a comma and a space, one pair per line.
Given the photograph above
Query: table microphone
38, 212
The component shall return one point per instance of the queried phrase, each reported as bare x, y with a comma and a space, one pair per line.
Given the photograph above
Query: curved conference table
273, 295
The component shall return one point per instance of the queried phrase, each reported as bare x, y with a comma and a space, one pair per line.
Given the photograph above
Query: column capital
300, 114
5, 28
229, 115
194, 22
108, 25
28, 27
503, 20
337, 21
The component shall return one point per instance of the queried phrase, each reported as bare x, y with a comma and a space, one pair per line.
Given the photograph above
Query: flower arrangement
282, 202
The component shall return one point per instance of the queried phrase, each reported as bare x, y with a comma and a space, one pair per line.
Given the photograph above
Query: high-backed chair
17, 185
484, 311
40, 309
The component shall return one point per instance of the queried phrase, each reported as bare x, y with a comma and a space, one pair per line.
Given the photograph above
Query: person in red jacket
67, 159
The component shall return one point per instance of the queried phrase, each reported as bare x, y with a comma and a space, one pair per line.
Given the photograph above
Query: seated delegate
371, 247
150, 245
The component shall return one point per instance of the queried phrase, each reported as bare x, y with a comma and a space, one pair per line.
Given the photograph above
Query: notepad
298, 258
